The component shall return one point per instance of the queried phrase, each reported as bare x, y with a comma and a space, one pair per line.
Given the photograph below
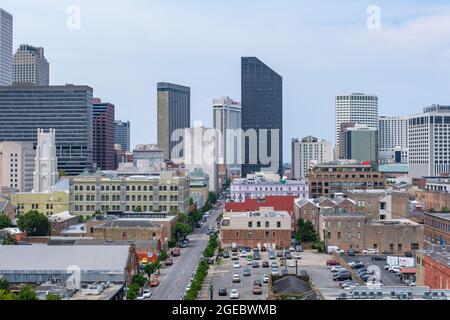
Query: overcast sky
124, 48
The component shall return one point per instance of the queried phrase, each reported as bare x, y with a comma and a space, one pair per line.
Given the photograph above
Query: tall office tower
307, 150
30, 66
122, 134
174, 112
361, 144
393, 139
17, 165
343, 128
428, 142
103, 135
227, 116
45, 174
6, 48
262, 110
67, 109
355, 107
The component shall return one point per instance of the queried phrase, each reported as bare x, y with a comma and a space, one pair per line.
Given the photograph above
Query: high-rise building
122, 134
103, 135
67, 109
227, 116
30, 66
305, 151
361, 144
262, 110
355, 107
428, 137
174, 112
6, 48
344, 126
393, 139
45, 174
16, 165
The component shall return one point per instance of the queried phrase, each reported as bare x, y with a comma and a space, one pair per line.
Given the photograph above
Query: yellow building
47, 203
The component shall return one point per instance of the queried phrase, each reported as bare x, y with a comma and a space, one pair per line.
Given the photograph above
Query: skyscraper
30, 66
262, 110
361, 144
355, 107
227, 116
393, 139
6, 48
17, 165
305, 151
174, 112
428, 137
122, 134
67, 109
103, 135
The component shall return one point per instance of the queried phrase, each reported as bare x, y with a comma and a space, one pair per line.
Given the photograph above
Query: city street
174, 279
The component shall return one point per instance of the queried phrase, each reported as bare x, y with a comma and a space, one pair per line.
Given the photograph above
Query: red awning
408, 270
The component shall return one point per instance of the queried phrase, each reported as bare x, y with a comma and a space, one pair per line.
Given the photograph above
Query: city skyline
392, 62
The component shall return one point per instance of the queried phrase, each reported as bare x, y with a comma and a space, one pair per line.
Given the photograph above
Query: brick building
61, 221
433, 268
336, 177
437, 228
435, 200
256, 228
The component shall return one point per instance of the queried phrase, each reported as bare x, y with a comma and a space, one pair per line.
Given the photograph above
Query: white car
147, 293
412, 284
291, 249
297, 255
236, 264
371, 251
243, 254
337, 269
188, 288
394, 269
291, 263
265, 278
234, 294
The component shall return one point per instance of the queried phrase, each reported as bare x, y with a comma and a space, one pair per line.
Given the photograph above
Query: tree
5, 221
8, 240
80, 219
152, 267
445, 210
34, 223
26, 293
4, 284
133, 291
163, 256
51, 296
62, 173
139, 279
180, 231
7, 295
305, 231
212, 197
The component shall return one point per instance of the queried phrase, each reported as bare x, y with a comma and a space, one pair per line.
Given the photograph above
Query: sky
320, 48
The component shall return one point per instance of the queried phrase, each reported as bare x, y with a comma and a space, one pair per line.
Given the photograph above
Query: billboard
405, 262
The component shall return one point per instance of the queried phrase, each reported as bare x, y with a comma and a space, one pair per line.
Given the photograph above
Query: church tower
45, 174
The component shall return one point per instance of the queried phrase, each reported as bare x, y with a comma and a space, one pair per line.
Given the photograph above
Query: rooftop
391, 168
60, 217
263, 213
282, 203
129, 223
442, 215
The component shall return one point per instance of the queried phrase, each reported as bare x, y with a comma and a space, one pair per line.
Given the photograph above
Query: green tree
180, 231
26, 293
34, 223
8, 240
212, 197
139, 279
445, 210
305, 231
7, 295
5, 221
4, 284
62, 173
191, 201
80, 219
133, 291
163, 256
51, 296
152, 267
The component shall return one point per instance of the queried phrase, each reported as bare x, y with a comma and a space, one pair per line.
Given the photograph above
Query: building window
339, 235
267, 224
258, 224
278, 224
249, 234
250, 224
266, 235
359, 235
414, 246
349, 235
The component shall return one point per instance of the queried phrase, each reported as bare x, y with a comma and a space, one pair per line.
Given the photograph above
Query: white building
259, 187
16, 165
306, 150
355, 107
45, 174
150, 153
6, 48
393, 139
428, 142
201, 151
227, 116
30, 66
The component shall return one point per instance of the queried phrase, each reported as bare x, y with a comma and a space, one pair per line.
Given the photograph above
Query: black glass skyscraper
262, 108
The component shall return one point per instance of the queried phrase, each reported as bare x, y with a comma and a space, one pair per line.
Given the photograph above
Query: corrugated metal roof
43, 257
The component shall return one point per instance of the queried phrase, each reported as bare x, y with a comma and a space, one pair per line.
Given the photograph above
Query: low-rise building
47, 203
433, 267
61, 221
256, 228
259, 186
437, 228
165, 193
327, 179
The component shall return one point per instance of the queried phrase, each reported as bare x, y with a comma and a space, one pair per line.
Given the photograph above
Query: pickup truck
371, 251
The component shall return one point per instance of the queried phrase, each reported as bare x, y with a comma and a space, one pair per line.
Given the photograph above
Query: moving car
176, 252
223, 292
379, 258
236, 278
394, 269
265, 278
154, 282
351, 253
257, 290
234, 294
246, 272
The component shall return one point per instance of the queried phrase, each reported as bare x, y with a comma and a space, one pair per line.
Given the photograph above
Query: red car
168, 262
257, 290
332, 263
176, 252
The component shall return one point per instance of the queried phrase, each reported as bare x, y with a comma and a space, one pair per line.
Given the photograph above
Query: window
278, 224
250, 224
266, 235
349, 224
339, 235
258, 224
249, 234
359, 235
267, 224
338, 224
349, 235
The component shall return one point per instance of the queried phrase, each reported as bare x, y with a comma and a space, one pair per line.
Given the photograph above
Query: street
174, 279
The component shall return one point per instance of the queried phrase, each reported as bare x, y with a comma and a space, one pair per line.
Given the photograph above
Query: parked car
236, 278
379, 258
288, 255
297, 255
176, 252
147, 294
291, 263
275, 271
337, 269
351, 253
274, 264
223, 292
154, 282
243, 254
255, 264
188, 287
210, 261
256, 256
236, 264
358, 265
284, 272
365, 277
279, 253
343, 276
291, 249
226, 254
299, 248
265, 278
394, 269
168, 262
272, 256
257, 290
263, 249
257, 283
234, 294
265, 264
332, 263
234, 256
352, 263
246, 272
371, 251
184, 244
408, 254
346, 283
